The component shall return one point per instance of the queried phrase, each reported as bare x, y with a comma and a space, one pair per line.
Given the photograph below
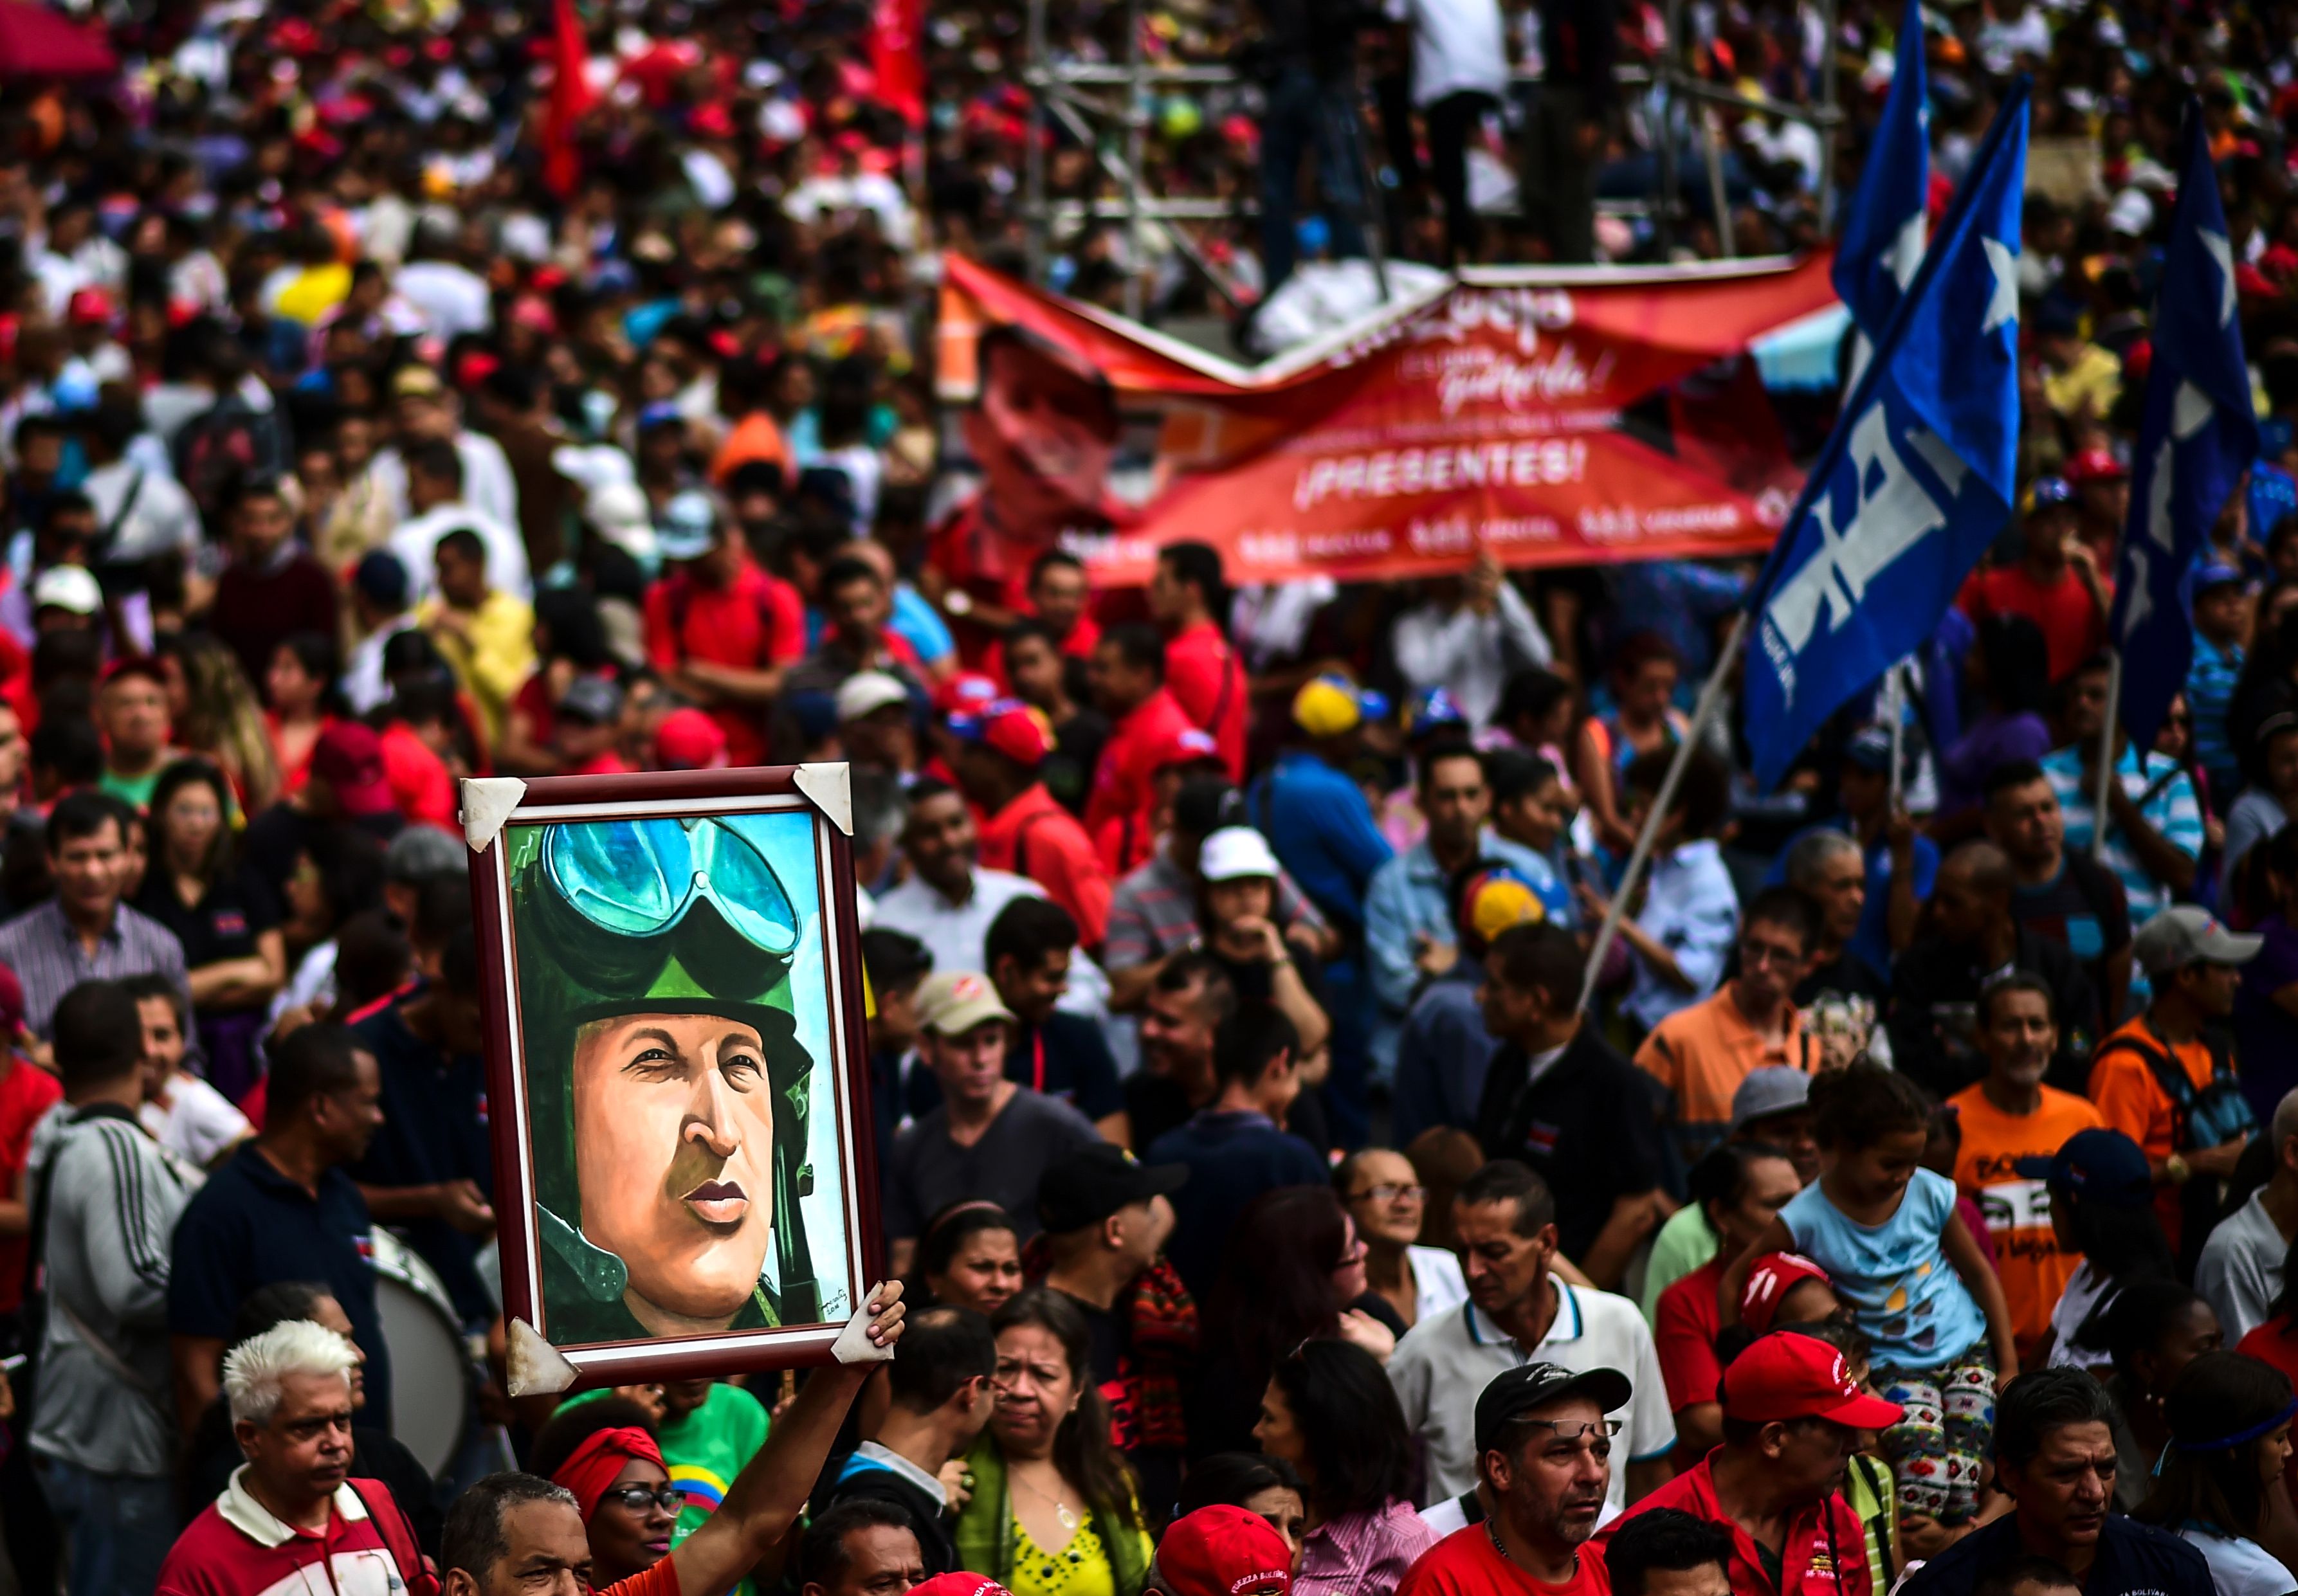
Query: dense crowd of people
1274, 1198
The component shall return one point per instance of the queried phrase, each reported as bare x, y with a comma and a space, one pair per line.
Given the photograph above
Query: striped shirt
47, 955
2210, 681
2164, 795
1367, 1550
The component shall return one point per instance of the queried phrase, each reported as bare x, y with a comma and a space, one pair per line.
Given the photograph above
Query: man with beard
1791, 1421
2055, 1457
2012, 1124
1544, 1457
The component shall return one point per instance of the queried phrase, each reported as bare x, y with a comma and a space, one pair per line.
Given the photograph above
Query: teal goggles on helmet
699, 891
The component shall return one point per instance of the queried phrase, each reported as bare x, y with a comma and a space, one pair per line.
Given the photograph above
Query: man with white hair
2240, 1267
293, 1516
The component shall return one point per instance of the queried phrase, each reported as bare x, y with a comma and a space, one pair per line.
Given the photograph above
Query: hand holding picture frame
677, 1069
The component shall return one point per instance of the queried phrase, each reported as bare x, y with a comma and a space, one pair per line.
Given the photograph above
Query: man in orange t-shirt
1202, 671
2194, 964
2011, 1122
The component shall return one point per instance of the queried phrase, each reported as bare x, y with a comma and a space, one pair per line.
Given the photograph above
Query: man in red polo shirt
1129, 680
1022, 829
718, 627
1790, 1418
1202, 671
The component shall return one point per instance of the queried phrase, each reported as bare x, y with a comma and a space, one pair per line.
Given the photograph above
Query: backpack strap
2169, 1074
398, 1537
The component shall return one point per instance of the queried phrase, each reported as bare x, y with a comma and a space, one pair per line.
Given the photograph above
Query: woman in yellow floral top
1053, 1511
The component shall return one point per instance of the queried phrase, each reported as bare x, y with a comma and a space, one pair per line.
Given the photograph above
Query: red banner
1556, 417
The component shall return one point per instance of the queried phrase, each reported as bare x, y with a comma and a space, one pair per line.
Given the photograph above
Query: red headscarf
590, 1468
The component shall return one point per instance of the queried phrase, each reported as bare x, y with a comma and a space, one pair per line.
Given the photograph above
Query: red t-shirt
661, 1580
1205, 677
1464, 1564
421, 784
1816, 1537
754, 621
1036, 837
27, 1092
1685, 1322
2071, 622
1122, 784
1078, 645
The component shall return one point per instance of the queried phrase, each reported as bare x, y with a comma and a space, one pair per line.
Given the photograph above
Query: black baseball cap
1515, 1392
1094, 1182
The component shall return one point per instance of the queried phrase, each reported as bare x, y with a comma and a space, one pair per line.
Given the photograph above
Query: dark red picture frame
863, 1244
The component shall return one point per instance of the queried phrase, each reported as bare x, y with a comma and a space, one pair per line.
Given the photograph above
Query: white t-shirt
1458, 47
1443, 1363
2075, 1304
196, 1122
2239, 1568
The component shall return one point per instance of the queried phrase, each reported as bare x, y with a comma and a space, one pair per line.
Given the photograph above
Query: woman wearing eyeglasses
667, 1090
1330, 1413
605, 1453
1384, 1196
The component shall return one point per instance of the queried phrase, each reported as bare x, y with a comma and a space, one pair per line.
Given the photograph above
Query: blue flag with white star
1916, 480
2197, 436
1883, 225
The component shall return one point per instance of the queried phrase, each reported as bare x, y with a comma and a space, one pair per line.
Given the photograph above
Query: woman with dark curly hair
1053, 1511
1330, 1413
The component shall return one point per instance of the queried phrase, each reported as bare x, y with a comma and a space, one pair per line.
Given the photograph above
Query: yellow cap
1500, 902
1326, 707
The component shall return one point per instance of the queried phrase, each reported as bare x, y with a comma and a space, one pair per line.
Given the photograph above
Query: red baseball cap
960, 1584
89, 307
1224, 1551
146, 665
1774, 1275
349, 758
2093, 464
1787, 1375
689, 739
1189, 746
965, 693
1012, 727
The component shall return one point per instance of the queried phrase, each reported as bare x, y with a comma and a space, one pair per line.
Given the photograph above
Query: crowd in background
1282, 1201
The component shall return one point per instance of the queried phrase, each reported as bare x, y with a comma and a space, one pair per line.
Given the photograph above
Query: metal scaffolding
1105, 107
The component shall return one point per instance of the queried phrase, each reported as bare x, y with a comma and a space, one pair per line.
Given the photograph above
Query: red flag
570, 97
898, 57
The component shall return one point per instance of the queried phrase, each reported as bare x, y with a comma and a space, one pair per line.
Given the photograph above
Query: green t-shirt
1684, 1244
705, 1450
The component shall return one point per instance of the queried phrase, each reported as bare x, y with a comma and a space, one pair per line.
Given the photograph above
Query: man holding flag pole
1914, 484
2196, 437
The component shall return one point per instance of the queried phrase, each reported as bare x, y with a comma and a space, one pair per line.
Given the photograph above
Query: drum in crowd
433, 1370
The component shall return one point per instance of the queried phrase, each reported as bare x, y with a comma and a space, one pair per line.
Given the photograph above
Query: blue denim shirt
1318, 822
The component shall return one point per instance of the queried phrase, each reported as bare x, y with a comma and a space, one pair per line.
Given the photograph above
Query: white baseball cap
1234, 852
67, 587
865, 692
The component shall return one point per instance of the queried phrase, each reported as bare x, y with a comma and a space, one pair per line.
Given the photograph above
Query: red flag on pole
570, 97
898, 57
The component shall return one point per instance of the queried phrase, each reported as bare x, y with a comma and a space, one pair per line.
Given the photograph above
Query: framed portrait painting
677, 1070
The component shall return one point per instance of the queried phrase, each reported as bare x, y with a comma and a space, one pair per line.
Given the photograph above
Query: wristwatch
2178, 1169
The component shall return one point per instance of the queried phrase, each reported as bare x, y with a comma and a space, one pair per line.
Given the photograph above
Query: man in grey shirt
85, 932
2240, 1271
991, 1138
106, 1197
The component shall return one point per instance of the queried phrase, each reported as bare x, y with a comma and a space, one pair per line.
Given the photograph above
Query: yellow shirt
1081, 1568
2093, 382
493, 657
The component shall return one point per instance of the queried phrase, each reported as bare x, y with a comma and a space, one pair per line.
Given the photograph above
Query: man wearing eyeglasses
1702, 1053
1791, 1419
1544, 1467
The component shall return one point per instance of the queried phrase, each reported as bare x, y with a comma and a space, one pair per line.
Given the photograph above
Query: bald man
2241, 1268
1969, 936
